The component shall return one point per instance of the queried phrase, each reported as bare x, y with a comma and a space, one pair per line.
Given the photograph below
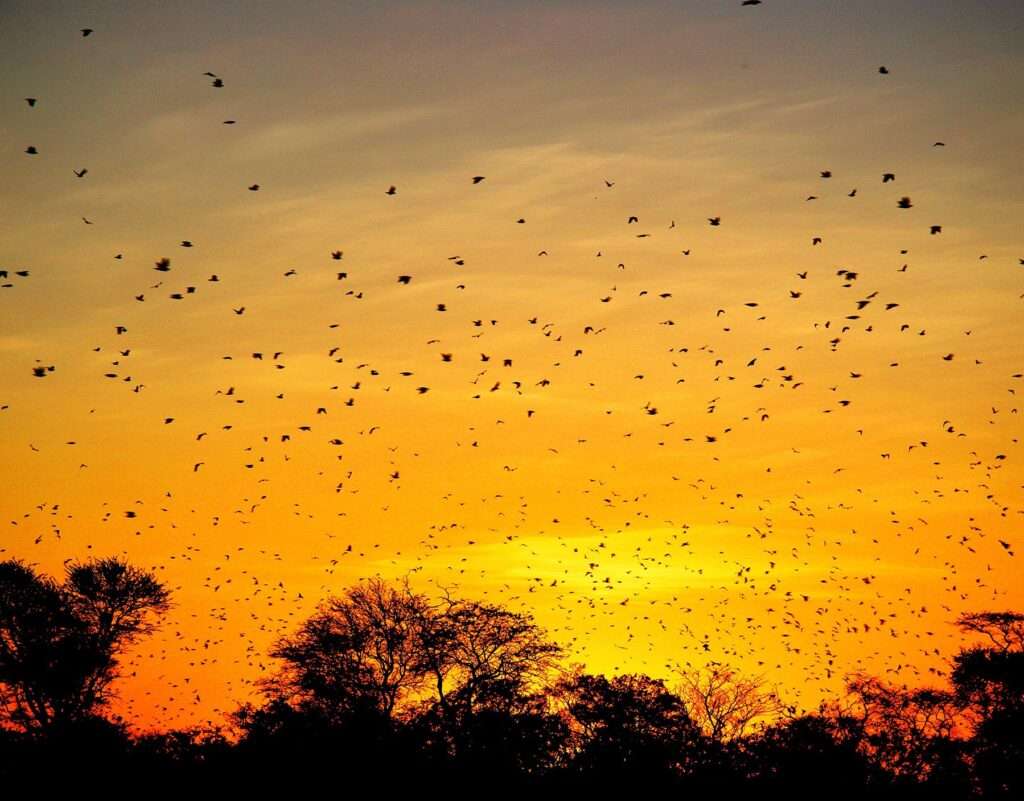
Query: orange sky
858, 486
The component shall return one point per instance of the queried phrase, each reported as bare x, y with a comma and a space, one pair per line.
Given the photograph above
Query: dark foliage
387, 686
60, 643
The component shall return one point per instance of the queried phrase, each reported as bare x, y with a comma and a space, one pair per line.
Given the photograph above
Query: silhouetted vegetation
386, 685
59, 643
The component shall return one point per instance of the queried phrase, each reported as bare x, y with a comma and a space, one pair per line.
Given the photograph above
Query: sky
788, 442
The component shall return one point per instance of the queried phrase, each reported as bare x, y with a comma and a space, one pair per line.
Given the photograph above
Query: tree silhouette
358, 654
487, 669
810, 756
60, 643
628, 726
384, 649
459, 694
382, 670
723, 703
913, 734
483, 655
990, 682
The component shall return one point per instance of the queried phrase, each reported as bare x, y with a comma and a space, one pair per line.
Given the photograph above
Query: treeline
386, 688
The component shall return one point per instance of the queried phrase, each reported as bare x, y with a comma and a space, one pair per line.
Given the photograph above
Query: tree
383, 648
487, 667
483, 655
60, 643
358, 654
810, 756
989, 681
724, 704
627, 726
912, 734
1005, 630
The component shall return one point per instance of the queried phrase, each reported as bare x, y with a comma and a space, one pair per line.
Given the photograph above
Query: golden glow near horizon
671, 442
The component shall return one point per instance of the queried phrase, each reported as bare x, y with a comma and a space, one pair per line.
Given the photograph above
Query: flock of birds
595, 565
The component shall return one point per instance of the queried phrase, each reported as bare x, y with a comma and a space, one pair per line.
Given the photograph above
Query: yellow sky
858, 486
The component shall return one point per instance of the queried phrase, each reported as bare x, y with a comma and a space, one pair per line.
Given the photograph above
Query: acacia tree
724, 704
60, 642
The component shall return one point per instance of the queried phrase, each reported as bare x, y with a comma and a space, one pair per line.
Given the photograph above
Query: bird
86, 32
31, 101
904, 203
31, 150
80, 173
883, 70
391, 191
935, 229
254, 188
715, 220
477, 179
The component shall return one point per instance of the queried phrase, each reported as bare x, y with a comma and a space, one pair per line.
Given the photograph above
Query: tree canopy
60, 642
